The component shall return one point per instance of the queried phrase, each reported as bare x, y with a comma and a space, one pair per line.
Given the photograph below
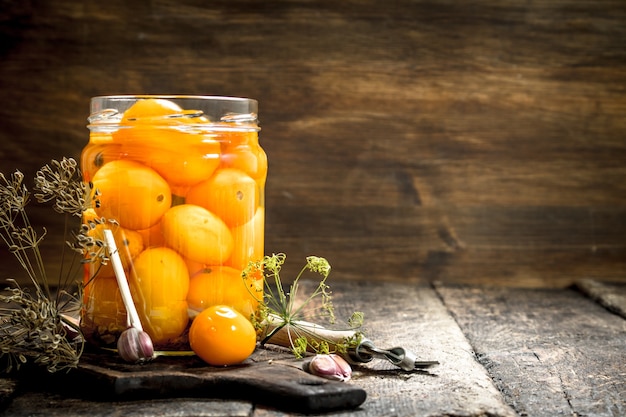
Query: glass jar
180, 182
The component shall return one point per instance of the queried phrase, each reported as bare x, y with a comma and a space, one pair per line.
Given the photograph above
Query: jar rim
108, 109
171, 96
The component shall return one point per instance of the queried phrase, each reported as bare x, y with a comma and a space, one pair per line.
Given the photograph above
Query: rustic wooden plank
45, 404
550, 352
610, 296
433, 106
411, 316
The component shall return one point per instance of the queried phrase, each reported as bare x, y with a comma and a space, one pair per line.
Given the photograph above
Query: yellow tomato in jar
144, 109
160, 110
184, 166
131, 193
96, 155
222, 285
221, 336
160, 134
167, 322
250, 159
181, 158
229, 193
161, 283
197, 234
248, 241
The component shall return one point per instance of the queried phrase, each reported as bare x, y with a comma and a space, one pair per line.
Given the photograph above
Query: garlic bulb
330, 366
135, 346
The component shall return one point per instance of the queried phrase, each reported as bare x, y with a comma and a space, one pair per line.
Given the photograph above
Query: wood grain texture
274, 380
610, 296
422, 140
503, 352
414, 317
62, 406
550, 352
396, 314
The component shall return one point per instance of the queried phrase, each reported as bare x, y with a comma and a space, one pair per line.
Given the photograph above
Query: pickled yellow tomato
248, 241
229, 193
172, 141
197, 234
161, 286
131, 193
222, 285
144, 110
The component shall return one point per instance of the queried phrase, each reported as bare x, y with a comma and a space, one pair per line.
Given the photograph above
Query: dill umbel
280, 310
36, 325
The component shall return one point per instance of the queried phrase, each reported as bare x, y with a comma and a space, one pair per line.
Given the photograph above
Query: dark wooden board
469, 141
550, 352
262, 379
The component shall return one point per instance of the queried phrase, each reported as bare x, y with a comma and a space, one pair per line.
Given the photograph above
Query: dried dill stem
34, 326
33, 330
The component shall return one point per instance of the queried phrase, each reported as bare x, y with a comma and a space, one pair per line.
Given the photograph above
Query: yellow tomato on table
221, 335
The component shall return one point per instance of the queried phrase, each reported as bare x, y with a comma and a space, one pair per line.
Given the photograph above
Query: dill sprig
34, 326
278, 310
32, 329
61, 183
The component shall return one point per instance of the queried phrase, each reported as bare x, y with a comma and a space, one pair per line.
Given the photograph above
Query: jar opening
222, 112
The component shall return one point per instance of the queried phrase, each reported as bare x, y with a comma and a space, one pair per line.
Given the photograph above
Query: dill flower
280, 318
37, 326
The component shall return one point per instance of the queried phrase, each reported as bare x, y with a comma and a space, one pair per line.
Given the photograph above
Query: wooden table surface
503, 352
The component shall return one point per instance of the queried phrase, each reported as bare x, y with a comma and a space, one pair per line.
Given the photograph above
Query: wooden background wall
408, 140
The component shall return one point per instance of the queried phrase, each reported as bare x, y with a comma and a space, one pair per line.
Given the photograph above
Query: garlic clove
331, 366
135, 346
